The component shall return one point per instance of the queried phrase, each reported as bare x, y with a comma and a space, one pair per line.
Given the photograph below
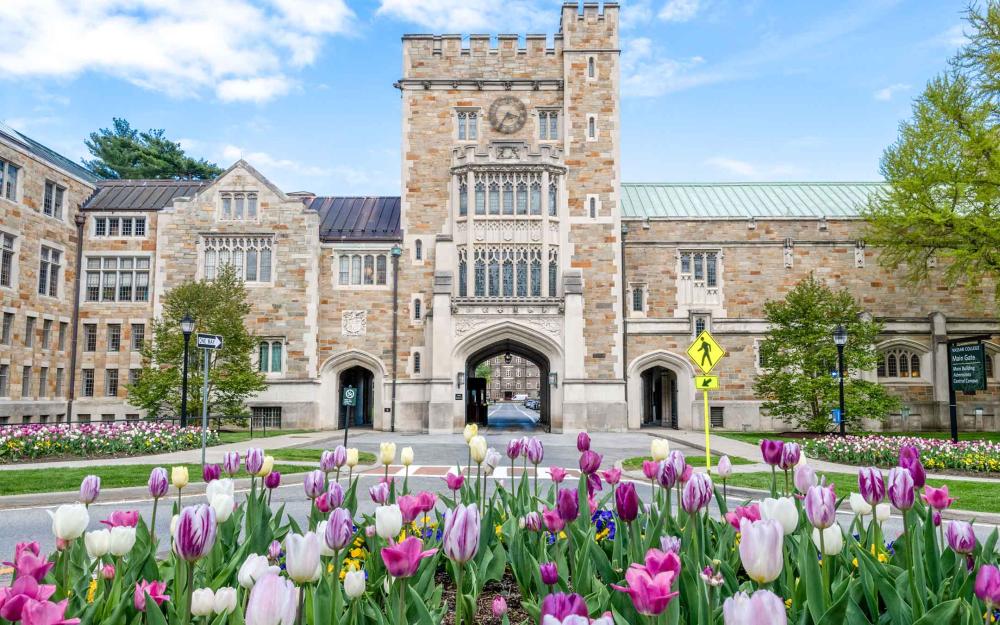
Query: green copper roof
738, 200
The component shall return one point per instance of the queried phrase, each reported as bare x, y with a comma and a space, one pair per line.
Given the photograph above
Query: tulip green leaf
812, 578
835, 615
154, 616
942, 614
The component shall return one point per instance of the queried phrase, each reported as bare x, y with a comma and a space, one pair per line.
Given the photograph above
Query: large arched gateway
484, 392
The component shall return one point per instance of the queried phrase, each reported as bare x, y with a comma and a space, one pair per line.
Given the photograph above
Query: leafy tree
942, 205
799, 358
124, 152
217, 307
484, 370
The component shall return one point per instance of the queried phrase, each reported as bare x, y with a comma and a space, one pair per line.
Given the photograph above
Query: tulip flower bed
977, 456
588, 552
32, 442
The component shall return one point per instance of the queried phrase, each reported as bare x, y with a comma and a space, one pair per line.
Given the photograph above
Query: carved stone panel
354, 322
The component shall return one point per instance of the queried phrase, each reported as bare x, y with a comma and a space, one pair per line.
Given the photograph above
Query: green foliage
217, 307
484, 370
940, 215
124, 152
799, 355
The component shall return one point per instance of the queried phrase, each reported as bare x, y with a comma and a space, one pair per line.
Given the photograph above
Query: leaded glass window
480, 277
508, 198
481, 198
463, 199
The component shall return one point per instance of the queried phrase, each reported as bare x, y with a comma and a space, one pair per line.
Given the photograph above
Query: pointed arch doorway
484, 393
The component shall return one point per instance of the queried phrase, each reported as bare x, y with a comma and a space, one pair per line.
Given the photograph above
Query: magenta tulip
379, 493
535, 451
231, 463
651, 469
323, 503
314, 483
409, 507
514, 448
46, 613
909, 459
821, 506
339, 529
90, 489
961, 537
24, 590
627, 502
685, 475
155, 589
697, 493
254, 460
590, 462
211, 472
28, 562
195, 533
272, 480
454, 481
558, 474
771, 451
662, 561
750, 513
582, 442
987, 586
871, 485
427, 500
650, 593
549, 572
937, 498
790, 454
553, 521
901, 488
460, 538
560, 605
122, 518
612, 476
403, 559
108, 571
568, 504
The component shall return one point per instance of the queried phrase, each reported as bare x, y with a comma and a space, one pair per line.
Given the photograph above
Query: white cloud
465, 16
751, 171
679, 10
954, 37
886, 93
238, 49
647, 72
265, 162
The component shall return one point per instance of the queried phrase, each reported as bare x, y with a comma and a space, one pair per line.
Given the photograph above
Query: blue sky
713, 90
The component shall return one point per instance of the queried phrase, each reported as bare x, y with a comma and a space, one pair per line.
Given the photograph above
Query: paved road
512, 416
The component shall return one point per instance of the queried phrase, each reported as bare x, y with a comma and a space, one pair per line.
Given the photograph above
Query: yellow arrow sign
706, 382
705, 352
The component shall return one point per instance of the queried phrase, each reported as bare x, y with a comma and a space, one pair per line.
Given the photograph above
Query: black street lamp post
840, 339
187, 327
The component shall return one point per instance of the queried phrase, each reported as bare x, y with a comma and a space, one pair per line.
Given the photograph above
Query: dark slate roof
49, 155
140, 194
357, 218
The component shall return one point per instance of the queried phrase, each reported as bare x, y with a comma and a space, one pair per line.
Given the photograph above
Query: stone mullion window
362, 269
8, 180
463, 272
53, 200
238, 206
251, 255
553, 271
117, 279
48, 271
269, 355
6, 259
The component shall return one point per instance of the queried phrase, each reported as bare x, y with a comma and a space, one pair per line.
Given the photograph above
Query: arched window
508, 198
522, 198
494, 198
418, 249
536, 198
899, 363
591, 69
416, 362
416, 309
463, 273
269, 356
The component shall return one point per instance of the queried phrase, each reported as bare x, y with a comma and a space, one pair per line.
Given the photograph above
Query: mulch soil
506, 587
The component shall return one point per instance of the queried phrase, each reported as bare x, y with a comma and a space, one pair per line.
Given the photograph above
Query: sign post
966, 373
208, 342
349, 400
706, 353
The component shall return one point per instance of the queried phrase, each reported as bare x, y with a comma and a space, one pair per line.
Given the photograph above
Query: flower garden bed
50, 442
938, 455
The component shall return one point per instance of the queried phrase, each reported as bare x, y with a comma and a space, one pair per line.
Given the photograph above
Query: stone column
939, 372
574, 382
545, 233
441, 408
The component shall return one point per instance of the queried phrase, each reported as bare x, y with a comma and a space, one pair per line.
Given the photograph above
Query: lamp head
187, 324
396, 251
840, 335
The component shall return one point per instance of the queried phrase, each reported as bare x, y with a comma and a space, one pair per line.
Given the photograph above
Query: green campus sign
350, 396
968, 369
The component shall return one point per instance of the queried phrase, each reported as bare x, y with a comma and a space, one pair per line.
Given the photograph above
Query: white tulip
202, 602
470, 430
833, 540
387, 453
122, 540
223, 505
98, 542
659, 449
783, 511
173, 525
69, 521
254, 567
478, 448
406, 456
324, 549
882, 512
302, 552
352, 457
224, 486
859, 505
388, 521
354, 584
225, 600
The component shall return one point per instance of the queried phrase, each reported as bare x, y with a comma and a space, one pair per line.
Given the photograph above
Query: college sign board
968, 366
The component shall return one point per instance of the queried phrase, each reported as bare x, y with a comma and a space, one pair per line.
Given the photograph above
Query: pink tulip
155, 591
665, 561
650, 469
553, 521
612, 476
28, 563
427, 501
409, 506
937, 498
46, 613
403, 559
751, 513
273, 601
650, 593
805, 478
763, 608
454, 481
122, 518
108, 571
557, 474
499, 606
987, 586
686, 474
323, 503
23, 590
724, 467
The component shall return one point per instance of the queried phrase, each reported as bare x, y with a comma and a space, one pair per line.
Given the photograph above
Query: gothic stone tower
510, 211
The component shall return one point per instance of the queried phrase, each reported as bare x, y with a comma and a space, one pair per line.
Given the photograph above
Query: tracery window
899, 363
250, 255
506, 271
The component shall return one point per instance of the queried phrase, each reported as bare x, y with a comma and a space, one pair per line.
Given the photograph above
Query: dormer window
239, 206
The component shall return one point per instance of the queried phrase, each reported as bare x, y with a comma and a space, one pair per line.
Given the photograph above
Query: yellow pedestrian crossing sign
705, 352
706, 382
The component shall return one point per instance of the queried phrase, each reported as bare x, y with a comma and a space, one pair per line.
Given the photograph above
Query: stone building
513, 234
512, 376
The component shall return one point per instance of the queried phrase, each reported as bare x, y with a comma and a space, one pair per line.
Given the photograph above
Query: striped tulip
821, 506
339, 529
231, 463
961, 538
901, 488
195, 533
159, 483
313, 483
90, 489
697, 493
254, 460
460, 539
871, 485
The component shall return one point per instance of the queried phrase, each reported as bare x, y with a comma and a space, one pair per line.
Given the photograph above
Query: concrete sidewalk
188, 456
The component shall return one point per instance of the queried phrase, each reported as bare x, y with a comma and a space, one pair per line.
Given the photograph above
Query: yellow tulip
471, 431
387, 453
659, 449
352, 457
406, 456
266, 467
179, 477
478, 448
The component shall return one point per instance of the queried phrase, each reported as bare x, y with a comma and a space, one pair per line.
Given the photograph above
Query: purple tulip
871, 485
582, 442
916, 469
274, 551
549, 572
254, 460
627, 502
590, 462
313, 482
90, 489
961, 537
697, 493
677, 462
650, 468
670, 544
560, 605
158, 483
666, 475
567, 504
211, 472
821, 506
771, 451
335, 495
790, 454
231, 463
195, 533
326, 463
339, 456
379, 493
901, 488
804, 478
499, 606
514, 448
339, 529
908, 453
272, 480
535, 451
460, 538
987, 586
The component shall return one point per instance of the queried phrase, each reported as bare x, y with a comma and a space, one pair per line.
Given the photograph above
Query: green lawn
25, 481
297, 454
635, 463
754, 438
980, 496
244, 435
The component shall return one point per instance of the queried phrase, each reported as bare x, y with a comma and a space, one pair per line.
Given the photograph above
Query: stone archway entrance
484, 395
362, 382
659, 397
660, 391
